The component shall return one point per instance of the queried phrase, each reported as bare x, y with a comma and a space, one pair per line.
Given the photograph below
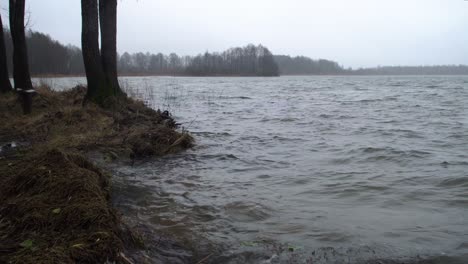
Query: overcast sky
353, 32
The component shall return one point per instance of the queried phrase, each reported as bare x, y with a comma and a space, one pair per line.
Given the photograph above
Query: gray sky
353, 32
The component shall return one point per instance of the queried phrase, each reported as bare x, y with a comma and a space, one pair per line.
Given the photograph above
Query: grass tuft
55, 204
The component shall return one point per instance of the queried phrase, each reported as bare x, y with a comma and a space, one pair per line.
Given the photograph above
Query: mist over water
306, 169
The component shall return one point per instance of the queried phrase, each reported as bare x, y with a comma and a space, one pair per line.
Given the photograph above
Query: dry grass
55, 206
60, 121
55, 209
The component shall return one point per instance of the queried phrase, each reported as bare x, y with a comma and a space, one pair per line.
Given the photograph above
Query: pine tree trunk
21, 73
98, 88
108, 19
5, 85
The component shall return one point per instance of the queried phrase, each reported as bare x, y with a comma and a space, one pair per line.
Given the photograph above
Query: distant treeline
306, 66
414, 70
246, 61
50, 57
47, 56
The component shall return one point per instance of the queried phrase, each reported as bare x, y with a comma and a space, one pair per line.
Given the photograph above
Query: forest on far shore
50, 57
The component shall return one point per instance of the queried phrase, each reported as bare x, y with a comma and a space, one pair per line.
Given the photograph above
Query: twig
191, 122
177, 142
125, 259
205, 258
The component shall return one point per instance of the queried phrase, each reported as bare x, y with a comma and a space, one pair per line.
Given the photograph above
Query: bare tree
108, 19
100, 66
21, 73
91, 56
5, 85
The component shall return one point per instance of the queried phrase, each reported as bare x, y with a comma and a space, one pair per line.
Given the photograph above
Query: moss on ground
55, 204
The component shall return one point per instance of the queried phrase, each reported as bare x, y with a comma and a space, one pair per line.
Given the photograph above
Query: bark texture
108, 19
5, 85
21, 73
97, 84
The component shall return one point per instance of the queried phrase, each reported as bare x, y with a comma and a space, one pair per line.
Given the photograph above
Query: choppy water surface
308, 169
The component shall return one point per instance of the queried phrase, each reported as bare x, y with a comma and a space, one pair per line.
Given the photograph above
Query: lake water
306, 169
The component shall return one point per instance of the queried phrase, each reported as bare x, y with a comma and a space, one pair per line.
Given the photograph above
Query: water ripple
349, 169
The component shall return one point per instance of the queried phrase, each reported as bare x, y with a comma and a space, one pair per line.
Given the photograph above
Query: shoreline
56, 202
53, 76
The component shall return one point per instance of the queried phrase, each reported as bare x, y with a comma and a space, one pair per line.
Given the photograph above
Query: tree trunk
108, 19
98, 88
21, 73
5, 85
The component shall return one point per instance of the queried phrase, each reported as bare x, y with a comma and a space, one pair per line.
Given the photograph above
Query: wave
247, 211
280, 119
338, 117
389, 150
235, 97
211, 134
219, 157
454, 182
388, 98
397, 84
375, 154
325, 116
